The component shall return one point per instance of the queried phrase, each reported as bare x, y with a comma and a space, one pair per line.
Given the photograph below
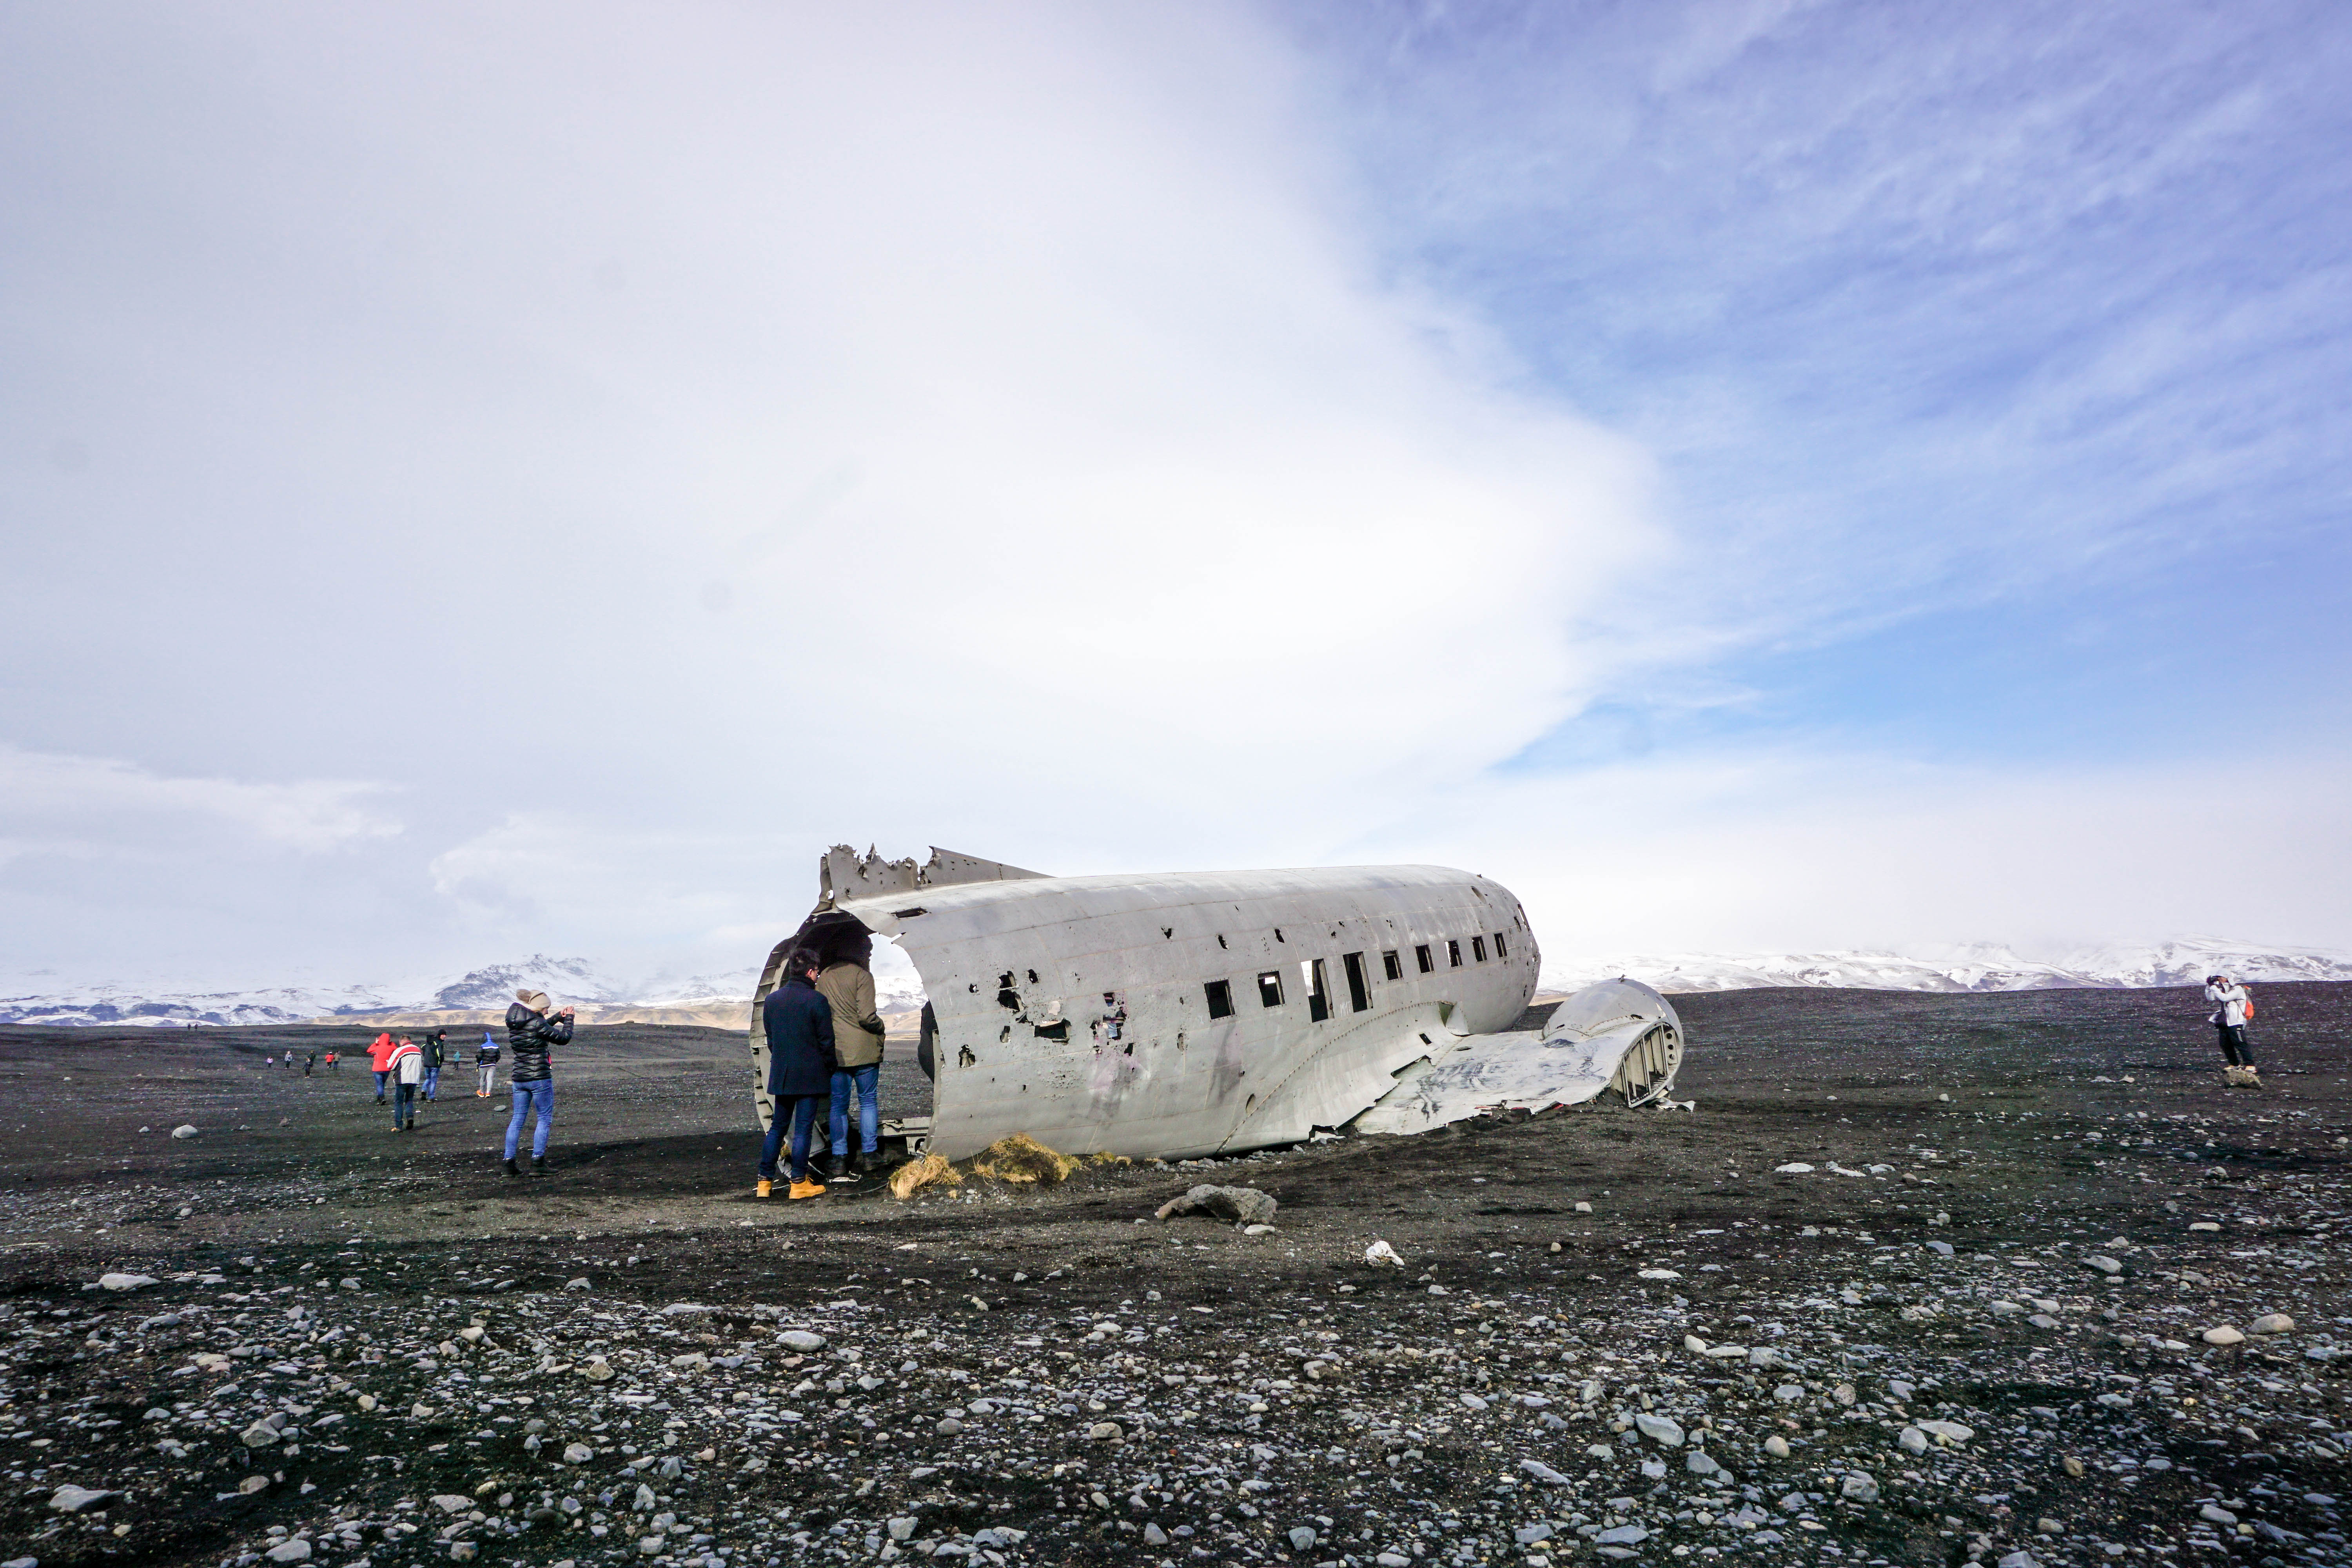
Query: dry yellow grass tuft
1022, 1158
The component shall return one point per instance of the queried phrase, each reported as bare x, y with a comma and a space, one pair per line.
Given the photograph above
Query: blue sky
1748, 475
1996, 355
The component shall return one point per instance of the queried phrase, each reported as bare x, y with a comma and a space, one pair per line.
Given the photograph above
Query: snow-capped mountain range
1982, 966
570, 981
1976, 966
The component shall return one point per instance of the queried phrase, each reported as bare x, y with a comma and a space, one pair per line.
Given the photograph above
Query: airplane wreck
1195, 1013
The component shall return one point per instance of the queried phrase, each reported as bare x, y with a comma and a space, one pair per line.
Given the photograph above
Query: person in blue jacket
798, 1022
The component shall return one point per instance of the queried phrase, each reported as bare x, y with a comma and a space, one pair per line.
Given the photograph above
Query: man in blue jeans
797, 1024
532, 1031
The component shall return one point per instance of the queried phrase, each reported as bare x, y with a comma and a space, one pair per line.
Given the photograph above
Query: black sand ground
2077, 1123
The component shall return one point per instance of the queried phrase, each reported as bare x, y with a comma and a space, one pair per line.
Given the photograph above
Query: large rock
1659, 1429
1243, 1205
74, 1499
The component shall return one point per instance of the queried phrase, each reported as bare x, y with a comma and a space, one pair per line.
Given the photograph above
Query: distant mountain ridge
1976, 966
712, 998
479, 993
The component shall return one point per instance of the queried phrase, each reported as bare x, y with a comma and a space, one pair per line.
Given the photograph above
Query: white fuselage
1188, 1013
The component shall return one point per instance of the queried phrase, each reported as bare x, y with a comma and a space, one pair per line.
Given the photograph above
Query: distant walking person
310, 1062
798, 1022
485, 1059
436, 1052
334, 1062
2231, 1008
847, 983
531, 1032
407, 1072
380, 1051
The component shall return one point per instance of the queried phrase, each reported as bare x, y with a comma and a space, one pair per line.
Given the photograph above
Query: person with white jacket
2231, 1008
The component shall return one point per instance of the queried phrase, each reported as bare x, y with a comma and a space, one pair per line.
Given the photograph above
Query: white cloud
99, 805
1789, 850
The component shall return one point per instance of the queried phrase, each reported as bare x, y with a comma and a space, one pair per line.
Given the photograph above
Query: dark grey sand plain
1977, 1328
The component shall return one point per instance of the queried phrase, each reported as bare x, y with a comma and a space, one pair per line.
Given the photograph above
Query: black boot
539, 1164
839, 1171
513, 1169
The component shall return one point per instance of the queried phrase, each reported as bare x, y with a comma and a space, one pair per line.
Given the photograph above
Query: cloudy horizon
1749, 477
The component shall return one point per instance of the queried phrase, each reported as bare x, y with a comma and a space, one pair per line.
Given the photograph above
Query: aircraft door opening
1360, 994
1319, 990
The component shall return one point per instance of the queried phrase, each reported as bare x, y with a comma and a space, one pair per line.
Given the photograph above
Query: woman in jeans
532, 1030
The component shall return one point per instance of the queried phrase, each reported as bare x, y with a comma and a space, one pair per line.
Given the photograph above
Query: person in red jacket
380, 1051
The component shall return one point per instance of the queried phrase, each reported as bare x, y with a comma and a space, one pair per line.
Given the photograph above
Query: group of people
410, 1069
2232, 1008
824, 1048
310, 1061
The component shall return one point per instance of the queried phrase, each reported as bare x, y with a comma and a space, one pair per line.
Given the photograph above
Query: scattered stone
1105, 1432
578, 1453
2103, 1264
1793, 1168
292, 1550
184, 1131
71, 1499
1242, 1205
2271, 1323
1778, 1445
120, 1282
1302, 1538
1859, 1486
2223, 1334
1661, 1429
802, 1340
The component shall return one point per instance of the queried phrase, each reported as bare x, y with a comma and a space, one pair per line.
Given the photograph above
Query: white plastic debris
1381, 1254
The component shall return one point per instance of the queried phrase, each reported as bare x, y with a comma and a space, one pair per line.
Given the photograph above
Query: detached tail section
1619, 1038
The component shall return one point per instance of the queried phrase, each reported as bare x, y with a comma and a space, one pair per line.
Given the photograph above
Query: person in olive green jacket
848, 983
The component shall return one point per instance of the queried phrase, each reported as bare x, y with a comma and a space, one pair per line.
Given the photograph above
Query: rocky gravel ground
1922, 1279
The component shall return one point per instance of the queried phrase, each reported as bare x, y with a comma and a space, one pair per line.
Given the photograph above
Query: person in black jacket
798, 1022
530, 1031
436, 1055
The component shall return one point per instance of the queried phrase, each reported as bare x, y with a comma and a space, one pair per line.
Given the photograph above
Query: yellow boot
767, 1188
808, 1188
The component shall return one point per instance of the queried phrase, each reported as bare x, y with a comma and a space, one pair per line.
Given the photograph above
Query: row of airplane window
1270, 993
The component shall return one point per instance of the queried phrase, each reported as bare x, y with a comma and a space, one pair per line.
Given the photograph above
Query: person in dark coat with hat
798, 1022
